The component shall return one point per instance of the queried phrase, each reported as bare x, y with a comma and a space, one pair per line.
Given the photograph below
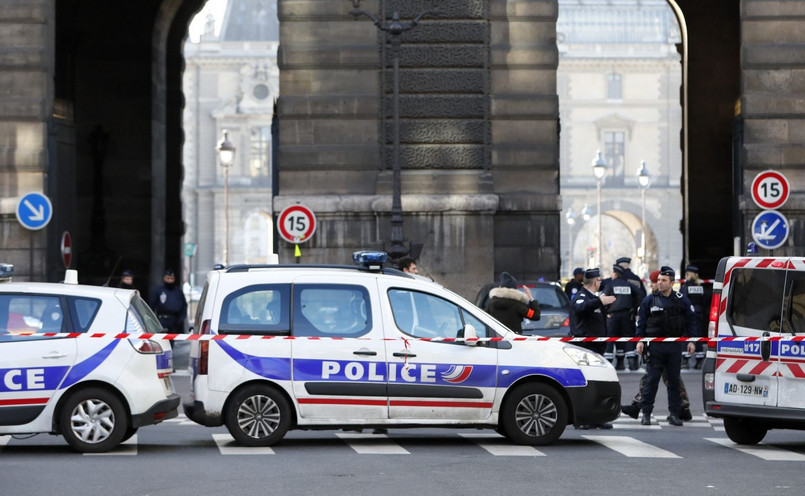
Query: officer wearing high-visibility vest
694, 290
664, 313
620, 319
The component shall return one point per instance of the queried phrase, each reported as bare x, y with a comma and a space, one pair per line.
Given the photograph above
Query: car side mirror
470, 335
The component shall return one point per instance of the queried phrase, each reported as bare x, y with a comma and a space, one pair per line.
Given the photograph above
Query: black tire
129, 432
93, 420
744, 431
258, 416
534, 414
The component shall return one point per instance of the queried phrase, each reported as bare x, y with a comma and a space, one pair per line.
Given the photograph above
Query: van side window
30, 313
426, 316
331, 310
796, 308
757, 299
259, 309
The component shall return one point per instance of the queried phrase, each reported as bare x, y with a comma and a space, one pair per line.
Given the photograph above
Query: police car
95, 392
317, 347
757, 384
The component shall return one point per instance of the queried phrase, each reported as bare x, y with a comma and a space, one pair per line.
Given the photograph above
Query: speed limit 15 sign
770, 190
296, 224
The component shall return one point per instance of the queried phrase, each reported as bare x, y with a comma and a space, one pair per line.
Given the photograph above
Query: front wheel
258, 416
534, 414
93, 420
744, 431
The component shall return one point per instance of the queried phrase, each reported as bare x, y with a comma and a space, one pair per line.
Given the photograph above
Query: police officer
127, 280
587, 318
509, 305
169, 303
631, 277
620, 319
694, 290
574, 285
664, 313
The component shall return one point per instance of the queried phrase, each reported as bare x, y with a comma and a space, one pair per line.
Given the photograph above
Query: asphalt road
179, 457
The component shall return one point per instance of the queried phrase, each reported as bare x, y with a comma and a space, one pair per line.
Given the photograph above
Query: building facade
231, 84
618, 81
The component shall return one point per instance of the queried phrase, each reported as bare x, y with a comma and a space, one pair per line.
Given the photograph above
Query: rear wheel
534, 414
744, 431
258, 416
93, 420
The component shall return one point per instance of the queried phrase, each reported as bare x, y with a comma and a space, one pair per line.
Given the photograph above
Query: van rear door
791, 377
746, 371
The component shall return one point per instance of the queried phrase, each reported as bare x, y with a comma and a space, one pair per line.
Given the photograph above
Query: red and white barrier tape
566, 339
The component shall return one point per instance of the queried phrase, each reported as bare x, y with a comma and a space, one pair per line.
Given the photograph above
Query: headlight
584, 357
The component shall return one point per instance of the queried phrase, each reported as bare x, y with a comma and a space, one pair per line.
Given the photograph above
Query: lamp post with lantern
599, 171
644, 180
226, 157
586, 215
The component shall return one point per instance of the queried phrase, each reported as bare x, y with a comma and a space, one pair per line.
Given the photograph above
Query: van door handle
54, 354
404, 354
745, 377
364, 352
765, 348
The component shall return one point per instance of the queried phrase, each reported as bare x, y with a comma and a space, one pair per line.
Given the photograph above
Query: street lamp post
644, 180
395, 28
226, 156
586, 214
571, 221
599, 170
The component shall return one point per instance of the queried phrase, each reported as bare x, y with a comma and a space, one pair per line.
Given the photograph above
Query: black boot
684, 414
632, 410
674, 420
646, 420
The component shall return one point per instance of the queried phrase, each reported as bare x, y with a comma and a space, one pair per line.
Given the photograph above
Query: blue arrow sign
770, 229
34, 211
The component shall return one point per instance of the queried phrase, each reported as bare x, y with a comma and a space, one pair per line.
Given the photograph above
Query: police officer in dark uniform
169, 303
587, 311
694, 290
620, 319
631, 277
587, 319
664, 313
574, 285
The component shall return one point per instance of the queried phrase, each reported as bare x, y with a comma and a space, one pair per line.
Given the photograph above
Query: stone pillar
26, 106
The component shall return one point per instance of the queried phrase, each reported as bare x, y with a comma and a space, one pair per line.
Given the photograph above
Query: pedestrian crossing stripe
631, 447
763, 451
372, 444
228, 446
498, 445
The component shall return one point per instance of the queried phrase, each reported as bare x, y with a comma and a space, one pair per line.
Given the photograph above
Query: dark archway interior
118, 85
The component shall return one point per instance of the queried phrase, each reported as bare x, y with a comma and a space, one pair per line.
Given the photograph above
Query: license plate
746, 390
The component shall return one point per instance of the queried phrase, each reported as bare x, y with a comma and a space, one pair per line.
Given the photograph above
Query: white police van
318, 347
95, 392
757, 385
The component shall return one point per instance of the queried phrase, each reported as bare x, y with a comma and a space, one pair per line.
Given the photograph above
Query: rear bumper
196, 412
165, 409
595, 403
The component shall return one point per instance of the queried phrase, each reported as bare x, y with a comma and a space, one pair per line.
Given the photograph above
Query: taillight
204, 349
566, 322
146, 346
712, 327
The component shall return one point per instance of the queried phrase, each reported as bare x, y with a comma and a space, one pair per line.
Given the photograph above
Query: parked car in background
554, 308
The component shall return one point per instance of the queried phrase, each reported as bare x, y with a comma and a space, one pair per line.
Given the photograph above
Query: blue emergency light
370, 259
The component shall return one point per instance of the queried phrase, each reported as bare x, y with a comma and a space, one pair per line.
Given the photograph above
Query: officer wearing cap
664, 313
694, 290
631, 277
509, 305
587, 318
126, 280
169, 303
620, 320
574, 285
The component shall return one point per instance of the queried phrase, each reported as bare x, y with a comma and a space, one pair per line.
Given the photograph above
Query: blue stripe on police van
165, 360
268, 367
565, 377
81, 370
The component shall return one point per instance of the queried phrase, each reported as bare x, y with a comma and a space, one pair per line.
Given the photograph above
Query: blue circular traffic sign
770, 229
34, 211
